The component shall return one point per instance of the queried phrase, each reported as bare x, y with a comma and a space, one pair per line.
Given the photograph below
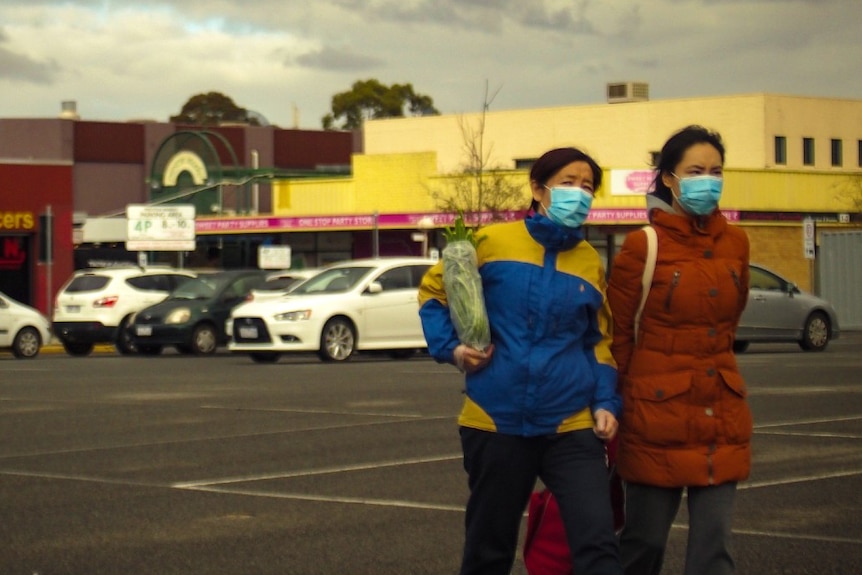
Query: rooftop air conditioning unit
69, 110
619, 92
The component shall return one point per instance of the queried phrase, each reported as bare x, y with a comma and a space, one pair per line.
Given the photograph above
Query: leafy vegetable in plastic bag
464, 286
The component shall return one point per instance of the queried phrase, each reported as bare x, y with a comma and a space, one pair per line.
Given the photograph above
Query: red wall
305, 149
109, 142
29, 189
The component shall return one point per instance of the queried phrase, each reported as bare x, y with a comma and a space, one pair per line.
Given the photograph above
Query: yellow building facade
788, 158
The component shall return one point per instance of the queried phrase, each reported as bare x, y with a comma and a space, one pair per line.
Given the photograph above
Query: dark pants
650, 512
502, 472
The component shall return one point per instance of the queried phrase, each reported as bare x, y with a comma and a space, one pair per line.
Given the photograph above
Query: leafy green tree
371, 99
212, 109
479, 186
852, 191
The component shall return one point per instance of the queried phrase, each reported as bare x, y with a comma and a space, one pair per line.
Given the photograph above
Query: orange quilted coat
685, 420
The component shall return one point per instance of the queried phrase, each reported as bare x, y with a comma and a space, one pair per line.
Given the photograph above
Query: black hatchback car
192, 318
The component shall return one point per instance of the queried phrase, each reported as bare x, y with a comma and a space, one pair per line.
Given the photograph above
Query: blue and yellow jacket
544, 290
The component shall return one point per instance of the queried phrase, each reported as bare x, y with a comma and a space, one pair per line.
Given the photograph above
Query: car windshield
334, 280
201, 287
88, 282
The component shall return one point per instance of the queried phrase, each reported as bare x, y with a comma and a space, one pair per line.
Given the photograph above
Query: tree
851, 191
371, 99
479, 187
212, 109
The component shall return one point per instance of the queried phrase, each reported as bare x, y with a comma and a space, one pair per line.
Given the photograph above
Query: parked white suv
94, 305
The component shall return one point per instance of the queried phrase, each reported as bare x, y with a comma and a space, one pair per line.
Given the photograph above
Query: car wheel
337, 340
740, 346
815, 334
264, 357
150, 349
77, 348
204, 340
26, 344
125, 344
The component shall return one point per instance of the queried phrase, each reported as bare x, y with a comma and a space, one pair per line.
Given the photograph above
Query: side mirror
375, 287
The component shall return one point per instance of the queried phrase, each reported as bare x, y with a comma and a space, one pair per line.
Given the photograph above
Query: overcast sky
123, 60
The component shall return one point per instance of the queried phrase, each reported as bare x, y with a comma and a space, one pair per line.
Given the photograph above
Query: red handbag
546, 549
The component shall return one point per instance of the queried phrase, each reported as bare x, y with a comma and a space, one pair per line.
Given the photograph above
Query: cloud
19, 67
123, 60
335, 59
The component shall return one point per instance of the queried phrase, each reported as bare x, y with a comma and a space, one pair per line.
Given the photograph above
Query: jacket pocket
657, 409
735, 412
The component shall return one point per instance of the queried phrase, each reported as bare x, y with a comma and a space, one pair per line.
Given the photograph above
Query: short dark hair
555, 160
673, 151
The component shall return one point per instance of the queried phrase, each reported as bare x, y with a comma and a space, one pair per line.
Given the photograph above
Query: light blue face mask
699, 195
570, 206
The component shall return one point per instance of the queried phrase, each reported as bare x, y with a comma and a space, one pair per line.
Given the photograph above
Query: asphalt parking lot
173, 464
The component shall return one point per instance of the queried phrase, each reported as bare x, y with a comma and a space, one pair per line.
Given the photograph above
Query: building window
837, 153
808, 151
780, 150
859, 143
524, 163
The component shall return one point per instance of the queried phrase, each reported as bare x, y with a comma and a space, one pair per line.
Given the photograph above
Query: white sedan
358, 305
23, 329
279, 283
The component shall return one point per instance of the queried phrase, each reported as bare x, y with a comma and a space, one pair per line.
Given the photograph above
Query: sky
286, 59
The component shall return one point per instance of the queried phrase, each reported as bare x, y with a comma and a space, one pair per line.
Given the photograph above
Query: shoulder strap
649, 268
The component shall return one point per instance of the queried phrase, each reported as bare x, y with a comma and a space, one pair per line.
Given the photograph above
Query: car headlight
293, 315
179, 315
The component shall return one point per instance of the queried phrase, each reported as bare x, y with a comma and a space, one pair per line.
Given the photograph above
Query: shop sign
17, 221
160, 228
273, 257
13, 254
631, 182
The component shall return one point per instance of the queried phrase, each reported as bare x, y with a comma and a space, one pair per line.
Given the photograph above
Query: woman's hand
469, 360
606, 424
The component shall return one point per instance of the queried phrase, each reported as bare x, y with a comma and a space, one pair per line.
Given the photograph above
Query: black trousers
502, 472
650, 512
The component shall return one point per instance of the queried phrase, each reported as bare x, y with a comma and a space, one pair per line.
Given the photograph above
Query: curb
57, 347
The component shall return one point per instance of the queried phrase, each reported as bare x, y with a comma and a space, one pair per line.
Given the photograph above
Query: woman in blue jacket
541, 399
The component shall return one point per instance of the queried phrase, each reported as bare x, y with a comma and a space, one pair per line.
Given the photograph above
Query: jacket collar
662, 213
550, 235
684, 225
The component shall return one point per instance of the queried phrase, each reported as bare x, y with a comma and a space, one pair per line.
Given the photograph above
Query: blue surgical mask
569, 207
699, 195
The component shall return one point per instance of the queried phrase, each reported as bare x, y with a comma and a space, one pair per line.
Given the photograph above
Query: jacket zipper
673, 283
735, 278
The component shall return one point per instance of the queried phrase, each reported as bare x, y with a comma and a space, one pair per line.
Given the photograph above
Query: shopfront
35, 207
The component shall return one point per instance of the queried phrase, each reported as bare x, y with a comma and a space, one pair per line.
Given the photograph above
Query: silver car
779, 311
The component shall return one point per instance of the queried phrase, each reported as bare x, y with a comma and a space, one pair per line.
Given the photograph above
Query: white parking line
392, 414
313, 472
815, 390
806, 421
798, 536
331, 499
812, 434
84, 478
794, 536
799, 479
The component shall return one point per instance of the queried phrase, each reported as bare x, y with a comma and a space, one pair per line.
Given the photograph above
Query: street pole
49, 260
255, 187
375, 238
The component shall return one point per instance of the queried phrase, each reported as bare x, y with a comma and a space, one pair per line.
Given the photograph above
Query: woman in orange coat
686, 423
